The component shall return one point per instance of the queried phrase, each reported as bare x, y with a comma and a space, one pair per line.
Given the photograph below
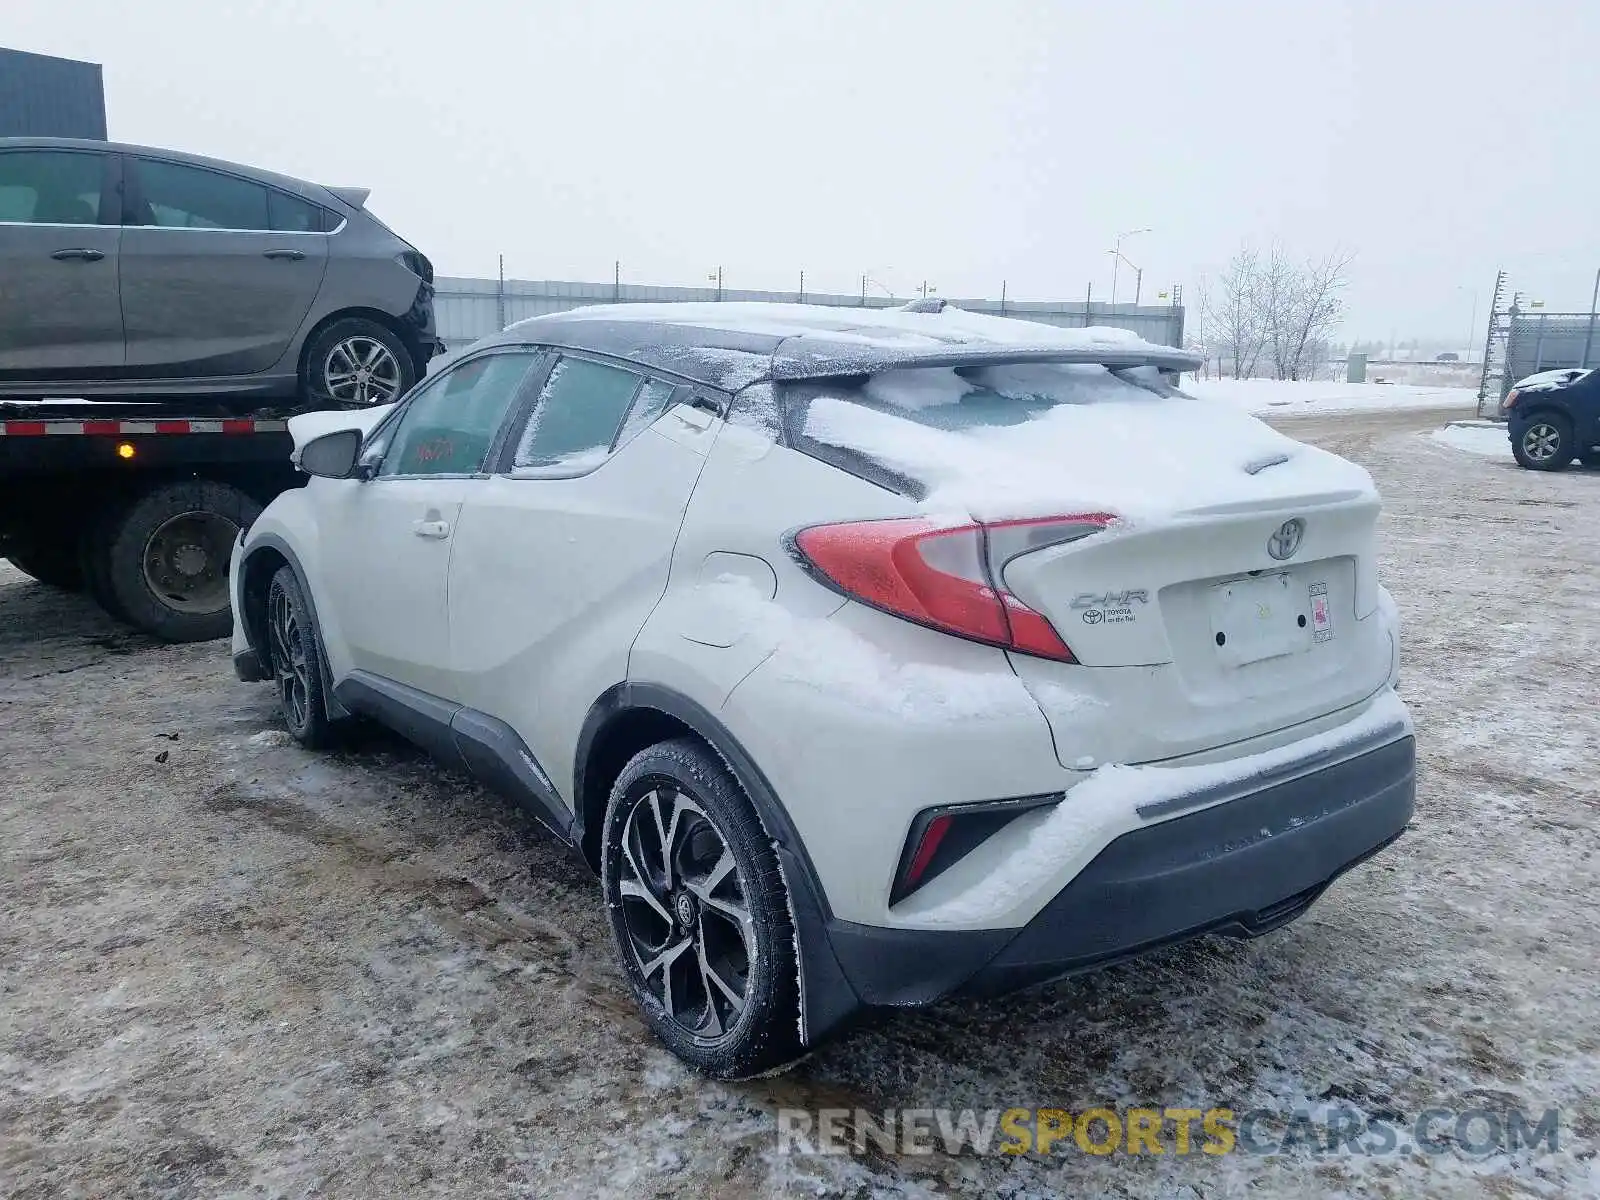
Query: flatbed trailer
138, 504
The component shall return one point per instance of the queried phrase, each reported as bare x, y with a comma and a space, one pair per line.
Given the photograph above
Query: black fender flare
330, 700
826, 996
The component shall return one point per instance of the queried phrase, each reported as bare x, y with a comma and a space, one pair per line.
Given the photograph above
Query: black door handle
292, 255
78, 252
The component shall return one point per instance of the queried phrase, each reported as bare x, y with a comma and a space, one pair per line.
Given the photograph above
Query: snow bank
1488, 440
1106, 804
1106, 445
1288, 396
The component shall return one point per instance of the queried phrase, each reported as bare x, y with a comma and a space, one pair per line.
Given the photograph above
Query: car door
387, 540
209, 285
60, 316
562, 553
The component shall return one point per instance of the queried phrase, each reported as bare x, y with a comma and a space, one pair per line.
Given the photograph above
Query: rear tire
167, 559
1545, 443
357, 363
54, 563
94, 558
294, 660
709, 953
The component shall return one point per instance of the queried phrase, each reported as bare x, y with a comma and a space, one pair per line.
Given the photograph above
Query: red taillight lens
941, 576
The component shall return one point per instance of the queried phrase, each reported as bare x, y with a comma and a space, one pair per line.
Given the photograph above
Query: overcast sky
957, 141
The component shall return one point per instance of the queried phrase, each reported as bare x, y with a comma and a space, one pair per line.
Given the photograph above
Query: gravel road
232, 968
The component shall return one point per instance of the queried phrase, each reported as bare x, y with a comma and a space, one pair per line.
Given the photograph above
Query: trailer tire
168, 554
94, 557
55, 564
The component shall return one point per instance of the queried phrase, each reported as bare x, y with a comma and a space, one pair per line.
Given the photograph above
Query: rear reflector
941, 837
945, 577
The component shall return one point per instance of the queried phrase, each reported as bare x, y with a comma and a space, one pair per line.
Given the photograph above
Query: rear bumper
1242, 868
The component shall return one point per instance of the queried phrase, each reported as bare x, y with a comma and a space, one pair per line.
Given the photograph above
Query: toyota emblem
1285, 540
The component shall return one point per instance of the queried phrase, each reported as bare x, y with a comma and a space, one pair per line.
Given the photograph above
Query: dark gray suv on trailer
127, 271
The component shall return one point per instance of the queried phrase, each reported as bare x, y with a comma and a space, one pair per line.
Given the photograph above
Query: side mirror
333, 455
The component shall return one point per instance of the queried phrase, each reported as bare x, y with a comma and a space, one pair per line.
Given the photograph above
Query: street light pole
1116, 260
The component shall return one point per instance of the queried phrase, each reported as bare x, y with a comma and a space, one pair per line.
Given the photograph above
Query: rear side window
183, 197
50, 187
579, 415
449, 425
291, 214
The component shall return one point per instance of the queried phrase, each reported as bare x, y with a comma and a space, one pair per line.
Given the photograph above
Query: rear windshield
956, 399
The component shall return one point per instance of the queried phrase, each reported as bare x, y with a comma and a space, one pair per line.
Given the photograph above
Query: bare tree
1302, 304
1231, 314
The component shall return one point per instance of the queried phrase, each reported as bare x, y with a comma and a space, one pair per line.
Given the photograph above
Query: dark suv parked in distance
128, 272
1554, 417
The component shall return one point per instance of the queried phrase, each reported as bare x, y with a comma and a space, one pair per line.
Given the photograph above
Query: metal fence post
1588, 338
1538, 346
500, 295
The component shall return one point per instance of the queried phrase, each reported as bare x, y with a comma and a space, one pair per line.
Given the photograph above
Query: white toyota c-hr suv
868, 656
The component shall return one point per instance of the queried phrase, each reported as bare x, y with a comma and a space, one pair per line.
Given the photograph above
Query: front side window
578, 415
182, 197
50, 187
449, 425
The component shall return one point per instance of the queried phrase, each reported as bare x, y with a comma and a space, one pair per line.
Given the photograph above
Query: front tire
357, 363
1545, 444
700, 914
294, 660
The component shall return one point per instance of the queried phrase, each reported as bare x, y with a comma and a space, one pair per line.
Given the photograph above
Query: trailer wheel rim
186, 562
361, 370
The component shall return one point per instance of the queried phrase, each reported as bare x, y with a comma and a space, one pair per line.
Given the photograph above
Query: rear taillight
947, 577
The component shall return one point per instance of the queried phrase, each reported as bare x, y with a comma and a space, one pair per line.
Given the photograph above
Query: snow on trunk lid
1186, 609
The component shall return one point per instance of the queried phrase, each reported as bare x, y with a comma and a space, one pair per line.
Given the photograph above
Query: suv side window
449, 424
181, 197
578, 420
50, 187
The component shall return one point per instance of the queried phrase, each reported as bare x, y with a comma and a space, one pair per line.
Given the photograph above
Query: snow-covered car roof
729, 346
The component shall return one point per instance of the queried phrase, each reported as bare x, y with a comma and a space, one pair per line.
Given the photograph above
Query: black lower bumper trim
1241, 868
247, 666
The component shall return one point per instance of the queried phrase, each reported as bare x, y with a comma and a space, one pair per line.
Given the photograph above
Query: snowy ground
1475, 437
232, 968
1276, 398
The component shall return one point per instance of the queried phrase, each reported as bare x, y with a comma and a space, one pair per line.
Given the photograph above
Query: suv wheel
357, 363
1546, 443
295, 662
700, 914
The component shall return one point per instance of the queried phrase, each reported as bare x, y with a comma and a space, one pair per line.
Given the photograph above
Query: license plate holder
1254, 619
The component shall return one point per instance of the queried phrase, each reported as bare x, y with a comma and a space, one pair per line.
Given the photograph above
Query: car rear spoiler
355, 197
